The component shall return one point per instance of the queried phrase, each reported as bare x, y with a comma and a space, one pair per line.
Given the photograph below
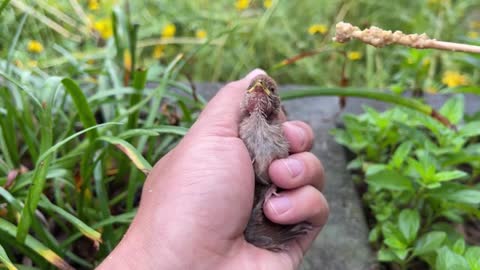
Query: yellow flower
201, 34
93, 4
34, 46
267, 3
354, 55
242, 4
104, 28
158, 51
317, 28
473, 35
169, 30
454, 78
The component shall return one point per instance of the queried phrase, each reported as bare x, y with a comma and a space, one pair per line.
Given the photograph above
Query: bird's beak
259, 84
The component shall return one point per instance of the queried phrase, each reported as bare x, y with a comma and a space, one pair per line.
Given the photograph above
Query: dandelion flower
169, 30
317, 28
34, 46
104, 28
93, 5
354, 55
267, 3
242, 4
201, 34
454, 78
158, 51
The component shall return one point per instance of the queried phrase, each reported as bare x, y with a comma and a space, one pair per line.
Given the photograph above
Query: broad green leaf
459, 246
401, 154
449, 175
409, 223
5, 260
429, 242
449, 260
374, 168
453, 109
472, 255
394, 242
140, 162
471, 129
390, 180
32, 243
386, 255
457, 193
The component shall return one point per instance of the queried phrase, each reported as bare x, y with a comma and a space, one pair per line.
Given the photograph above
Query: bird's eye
271, 88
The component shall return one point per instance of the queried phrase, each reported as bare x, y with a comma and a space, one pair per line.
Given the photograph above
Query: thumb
222, 114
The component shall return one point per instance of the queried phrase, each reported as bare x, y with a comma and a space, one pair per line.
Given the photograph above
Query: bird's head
261, 96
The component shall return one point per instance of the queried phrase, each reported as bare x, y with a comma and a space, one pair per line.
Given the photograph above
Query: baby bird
260, 129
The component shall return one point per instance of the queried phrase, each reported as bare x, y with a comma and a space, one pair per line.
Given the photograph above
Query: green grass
82, 120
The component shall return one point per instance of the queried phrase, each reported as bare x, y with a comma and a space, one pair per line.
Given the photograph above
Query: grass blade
86, 116
365, 93
5, 260
162, 129
131, 152
32, 243
139, 80
90, 233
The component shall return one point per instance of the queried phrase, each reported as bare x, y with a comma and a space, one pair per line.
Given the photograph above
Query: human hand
197, 200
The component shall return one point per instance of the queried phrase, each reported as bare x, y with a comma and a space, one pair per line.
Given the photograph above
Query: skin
197, 200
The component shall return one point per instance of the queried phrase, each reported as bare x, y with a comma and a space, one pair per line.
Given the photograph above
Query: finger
293, 206
299, 136
297, 170
222, 113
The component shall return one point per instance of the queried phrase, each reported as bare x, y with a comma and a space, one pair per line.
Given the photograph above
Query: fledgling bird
261, 131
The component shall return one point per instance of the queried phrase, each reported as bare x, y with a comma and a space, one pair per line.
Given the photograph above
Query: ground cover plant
92, 93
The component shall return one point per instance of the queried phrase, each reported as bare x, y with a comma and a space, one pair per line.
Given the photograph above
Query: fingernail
298, 131
294, 166
280, 204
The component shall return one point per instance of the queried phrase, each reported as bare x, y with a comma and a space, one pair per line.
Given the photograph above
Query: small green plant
422, 183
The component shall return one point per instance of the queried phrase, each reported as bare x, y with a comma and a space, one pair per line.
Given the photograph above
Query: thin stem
378, 37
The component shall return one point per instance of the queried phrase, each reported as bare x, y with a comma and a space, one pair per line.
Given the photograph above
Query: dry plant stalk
378, 37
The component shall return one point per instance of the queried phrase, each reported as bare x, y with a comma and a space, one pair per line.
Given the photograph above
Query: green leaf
32, 243
86, 116
453, 109
5, 260
401, 154
471, 129
163, 129
457, 193
459, 246
472, 255
386, 255
409, 223
390, 180
449, 175
77, 223
140, 162
448, 260
429, 242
